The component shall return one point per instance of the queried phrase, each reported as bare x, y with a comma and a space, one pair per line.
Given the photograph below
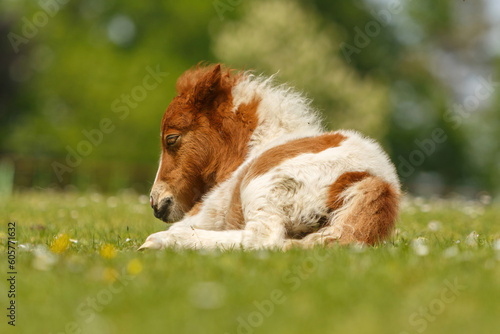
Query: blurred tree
281, 36
353, 60
459, 56
101, 73
14, 99
407, 54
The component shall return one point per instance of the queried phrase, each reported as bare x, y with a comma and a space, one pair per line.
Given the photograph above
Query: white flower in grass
496, 245
420, 247
471, 239
112, 202
418, 201
143, 199
82, 202
139, 208
358, 247
44, 259
425, 208
96, 197
24, 247
207, 295
434, 225
74, 214
262, 254
451, 251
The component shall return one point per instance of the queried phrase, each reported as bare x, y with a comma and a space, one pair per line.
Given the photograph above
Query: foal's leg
264, 225
256, 235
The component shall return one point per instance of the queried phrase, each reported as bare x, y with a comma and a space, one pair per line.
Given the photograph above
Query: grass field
78, 272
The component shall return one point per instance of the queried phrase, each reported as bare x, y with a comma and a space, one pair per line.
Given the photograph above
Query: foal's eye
171, 140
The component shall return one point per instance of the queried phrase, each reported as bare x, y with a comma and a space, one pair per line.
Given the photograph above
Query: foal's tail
368, 211
365, 211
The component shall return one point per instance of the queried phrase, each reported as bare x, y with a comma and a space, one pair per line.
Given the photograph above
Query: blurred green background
84, 83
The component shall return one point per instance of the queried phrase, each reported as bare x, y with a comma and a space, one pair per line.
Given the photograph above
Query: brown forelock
276, 155
189, 78
198, 75
214, 138
344, 181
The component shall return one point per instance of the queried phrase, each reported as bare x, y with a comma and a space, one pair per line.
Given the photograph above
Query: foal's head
201, 141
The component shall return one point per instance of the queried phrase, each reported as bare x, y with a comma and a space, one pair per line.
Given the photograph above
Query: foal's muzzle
162, 208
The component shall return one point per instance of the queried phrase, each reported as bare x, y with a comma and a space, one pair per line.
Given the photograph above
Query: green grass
402, 286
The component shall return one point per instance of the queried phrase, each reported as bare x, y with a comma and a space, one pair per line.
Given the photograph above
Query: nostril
162, 207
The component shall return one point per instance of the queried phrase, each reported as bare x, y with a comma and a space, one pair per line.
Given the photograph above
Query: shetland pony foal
246, 164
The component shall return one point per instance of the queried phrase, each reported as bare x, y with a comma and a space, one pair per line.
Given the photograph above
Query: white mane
283, 113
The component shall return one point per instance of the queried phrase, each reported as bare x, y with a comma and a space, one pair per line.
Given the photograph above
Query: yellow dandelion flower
108, 251
110, 275
60, 243
134, 267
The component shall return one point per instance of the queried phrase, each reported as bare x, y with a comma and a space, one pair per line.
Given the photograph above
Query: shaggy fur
246, 164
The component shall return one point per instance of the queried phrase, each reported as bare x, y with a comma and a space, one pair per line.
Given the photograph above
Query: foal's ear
208, 86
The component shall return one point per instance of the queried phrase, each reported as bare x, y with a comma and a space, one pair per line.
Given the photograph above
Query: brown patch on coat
276, 155
195, 209
239, 133
234, 219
